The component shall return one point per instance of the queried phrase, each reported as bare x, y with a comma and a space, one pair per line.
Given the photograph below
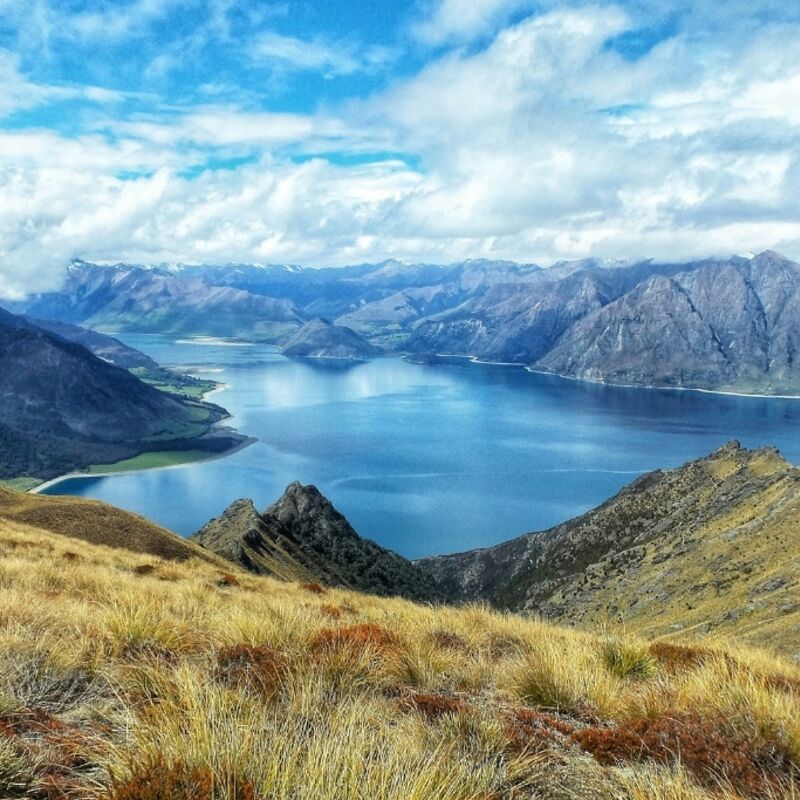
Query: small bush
355, 638
334, 612
178, 781
629, 659
449, 641
702, 745
528, 730
431, 706
676, 657
261, 666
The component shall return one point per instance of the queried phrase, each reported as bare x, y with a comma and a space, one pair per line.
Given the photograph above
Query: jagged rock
303, 537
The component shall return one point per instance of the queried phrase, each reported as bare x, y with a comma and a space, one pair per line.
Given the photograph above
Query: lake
431, 458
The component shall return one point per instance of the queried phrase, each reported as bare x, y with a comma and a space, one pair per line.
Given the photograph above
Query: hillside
303, 537
96, 523
319, 338
127, 677
711, 547
63, 408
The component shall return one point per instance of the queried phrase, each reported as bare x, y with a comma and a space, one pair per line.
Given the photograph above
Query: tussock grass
181, 681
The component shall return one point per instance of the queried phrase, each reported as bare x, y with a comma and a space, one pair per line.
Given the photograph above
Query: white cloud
544, 144
449, 21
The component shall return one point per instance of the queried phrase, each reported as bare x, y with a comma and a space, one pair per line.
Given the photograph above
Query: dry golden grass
124, 676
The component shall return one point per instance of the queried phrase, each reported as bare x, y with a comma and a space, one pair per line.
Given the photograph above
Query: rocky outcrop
303, 537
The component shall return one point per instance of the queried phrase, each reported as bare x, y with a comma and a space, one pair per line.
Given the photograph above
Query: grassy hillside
125, 676
712, 547
97, 523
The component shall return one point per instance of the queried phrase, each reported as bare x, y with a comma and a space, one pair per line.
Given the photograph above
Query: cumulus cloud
546, 140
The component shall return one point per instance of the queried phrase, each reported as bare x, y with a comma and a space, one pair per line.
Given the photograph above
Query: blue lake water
432, 459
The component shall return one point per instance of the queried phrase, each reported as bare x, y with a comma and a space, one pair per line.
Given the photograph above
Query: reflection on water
437, 458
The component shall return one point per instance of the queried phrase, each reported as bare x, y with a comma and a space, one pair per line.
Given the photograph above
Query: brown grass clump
701, 745
314, 588
432, 706
678, 657
356, 638
448, 640
158, 780
227, 579
261, 666
529, 730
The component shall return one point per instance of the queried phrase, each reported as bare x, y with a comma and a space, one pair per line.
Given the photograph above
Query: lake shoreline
246, 442
651, 387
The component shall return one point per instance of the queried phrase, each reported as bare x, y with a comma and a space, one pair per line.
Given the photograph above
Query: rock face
714, 544
319, 338
303, 537
725, 325
63, 408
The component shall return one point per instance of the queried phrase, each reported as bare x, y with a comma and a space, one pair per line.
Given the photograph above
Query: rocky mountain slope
713, 546
63, 408
319, 338
303, 537
729, 325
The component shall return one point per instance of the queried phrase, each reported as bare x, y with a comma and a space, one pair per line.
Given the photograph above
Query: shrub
702, 745
528, 730
158, 780
449, 641
334, 612
431, 706
676, 657
355, 638
261, 666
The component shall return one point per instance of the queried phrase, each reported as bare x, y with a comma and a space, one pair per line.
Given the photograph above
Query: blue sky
429, 130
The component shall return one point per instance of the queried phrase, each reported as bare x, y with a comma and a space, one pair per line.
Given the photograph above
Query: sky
334, 132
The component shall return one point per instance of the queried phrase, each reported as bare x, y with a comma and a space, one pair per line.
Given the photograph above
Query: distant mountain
63, 408
319, 338
716, 324
106, 347
133, 299
711, 546
728, 325
303, 537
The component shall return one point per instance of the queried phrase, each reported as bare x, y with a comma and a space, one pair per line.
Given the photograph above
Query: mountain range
730, 324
